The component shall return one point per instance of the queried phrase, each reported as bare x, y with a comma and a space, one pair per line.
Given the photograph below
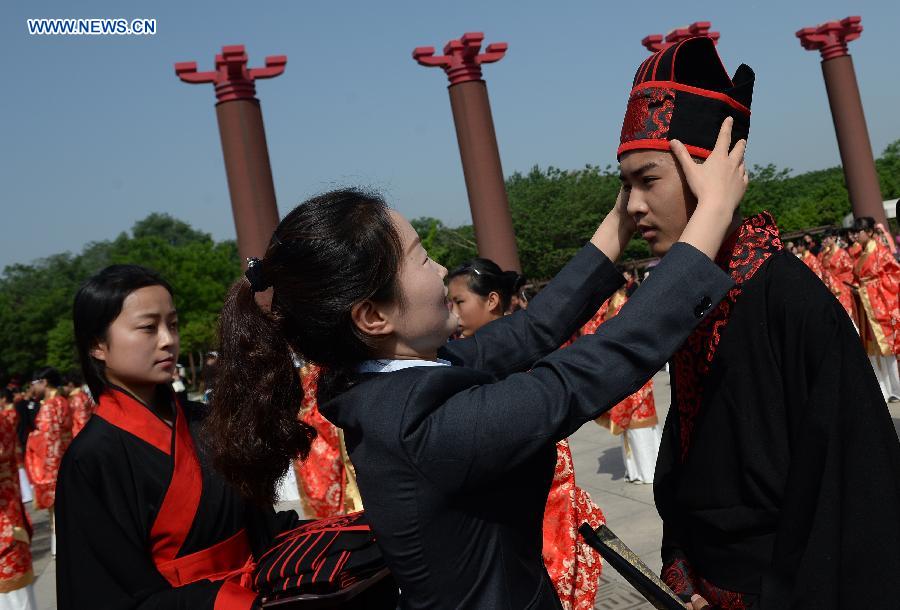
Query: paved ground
599, 468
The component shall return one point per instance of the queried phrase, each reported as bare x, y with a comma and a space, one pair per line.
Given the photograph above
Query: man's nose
635, 204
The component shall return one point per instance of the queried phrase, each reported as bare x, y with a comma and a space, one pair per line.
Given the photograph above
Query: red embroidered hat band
684, 93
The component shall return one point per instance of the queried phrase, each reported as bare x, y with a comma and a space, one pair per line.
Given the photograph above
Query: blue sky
98, 132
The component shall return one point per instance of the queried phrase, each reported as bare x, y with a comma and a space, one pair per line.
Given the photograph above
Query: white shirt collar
388, 365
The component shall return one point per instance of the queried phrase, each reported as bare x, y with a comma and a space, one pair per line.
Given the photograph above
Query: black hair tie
255, 276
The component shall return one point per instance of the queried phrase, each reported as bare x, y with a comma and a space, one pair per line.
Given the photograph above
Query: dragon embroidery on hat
649, 114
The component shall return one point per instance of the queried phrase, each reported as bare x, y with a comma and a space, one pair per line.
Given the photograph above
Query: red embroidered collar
741, 256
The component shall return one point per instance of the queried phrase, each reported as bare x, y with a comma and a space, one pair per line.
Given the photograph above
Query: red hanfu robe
809, 259
574, 567
144, 522
46, 445
838, 266
82, 406
15, 530
878, 275
326, 479
639, 409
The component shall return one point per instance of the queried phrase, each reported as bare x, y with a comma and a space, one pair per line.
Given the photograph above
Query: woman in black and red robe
142, 519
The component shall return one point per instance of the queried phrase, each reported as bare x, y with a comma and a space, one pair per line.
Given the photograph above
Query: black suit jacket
454, 463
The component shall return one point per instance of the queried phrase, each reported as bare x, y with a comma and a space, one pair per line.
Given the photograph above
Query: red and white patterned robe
809, 259
878, 275
325, 479
15, 530
46, 445
82, 406
838, 266
574, 567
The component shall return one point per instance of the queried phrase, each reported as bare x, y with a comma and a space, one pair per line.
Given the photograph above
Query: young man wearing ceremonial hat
778, 478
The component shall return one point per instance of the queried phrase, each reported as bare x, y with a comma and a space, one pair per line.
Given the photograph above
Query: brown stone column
243, 143
831, 39
478, 143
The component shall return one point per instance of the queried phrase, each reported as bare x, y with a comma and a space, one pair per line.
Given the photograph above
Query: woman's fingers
723, 142
682, 156
737, 153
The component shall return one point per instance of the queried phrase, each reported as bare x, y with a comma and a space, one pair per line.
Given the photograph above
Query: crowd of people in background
859, 265
39, 420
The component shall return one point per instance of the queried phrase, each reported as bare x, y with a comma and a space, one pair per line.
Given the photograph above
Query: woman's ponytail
254, 430
329, 253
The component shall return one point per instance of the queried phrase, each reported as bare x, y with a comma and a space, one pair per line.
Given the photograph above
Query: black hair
74, 377
330, 253
485, 276
7, 395
97, 304
50, 375
863, 223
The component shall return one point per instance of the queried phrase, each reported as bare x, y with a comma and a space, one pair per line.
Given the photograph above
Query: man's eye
148, 328
649, 179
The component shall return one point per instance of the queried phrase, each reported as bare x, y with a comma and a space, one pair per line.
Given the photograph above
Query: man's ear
370, 319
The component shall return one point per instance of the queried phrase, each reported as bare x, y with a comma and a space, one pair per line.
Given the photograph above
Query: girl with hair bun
480, 292
454, 444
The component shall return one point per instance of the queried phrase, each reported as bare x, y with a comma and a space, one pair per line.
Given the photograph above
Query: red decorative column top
233, 79
656, 42
830, 39
462, 58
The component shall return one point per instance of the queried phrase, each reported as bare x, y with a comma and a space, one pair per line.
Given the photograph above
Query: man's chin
660, 248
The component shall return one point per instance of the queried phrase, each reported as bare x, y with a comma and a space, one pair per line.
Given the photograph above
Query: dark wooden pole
478, 149
243, 143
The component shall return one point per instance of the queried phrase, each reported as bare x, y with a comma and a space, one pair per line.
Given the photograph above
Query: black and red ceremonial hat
683, 92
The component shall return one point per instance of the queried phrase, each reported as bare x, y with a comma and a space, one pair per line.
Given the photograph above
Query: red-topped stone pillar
462, 60
830, 40
243, 143
657, 42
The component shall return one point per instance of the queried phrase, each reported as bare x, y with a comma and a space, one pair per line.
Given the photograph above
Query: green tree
555, 212
171, 230
36, 299
61, 346
449, 247
33, 299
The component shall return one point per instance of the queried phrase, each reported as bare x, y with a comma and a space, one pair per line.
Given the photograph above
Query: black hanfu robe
137, 528
778, 478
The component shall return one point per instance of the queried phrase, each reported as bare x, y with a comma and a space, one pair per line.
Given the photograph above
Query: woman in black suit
453, 444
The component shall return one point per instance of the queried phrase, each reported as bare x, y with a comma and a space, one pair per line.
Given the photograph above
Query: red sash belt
229, 560
221, 561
